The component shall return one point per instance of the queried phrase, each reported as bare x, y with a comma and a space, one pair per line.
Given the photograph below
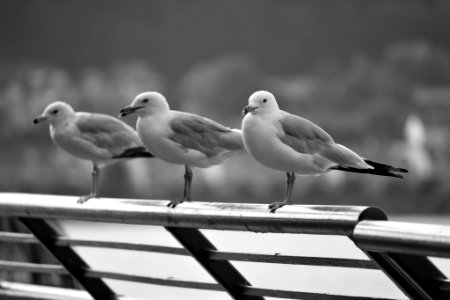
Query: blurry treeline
392, 109
284, 36
374, 74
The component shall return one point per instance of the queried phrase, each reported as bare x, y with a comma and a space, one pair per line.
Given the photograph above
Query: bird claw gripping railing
400, 250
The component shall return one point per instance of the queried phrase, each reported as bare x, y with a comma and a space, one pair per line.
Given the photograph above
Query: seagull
99, 138
289, 143
182, 138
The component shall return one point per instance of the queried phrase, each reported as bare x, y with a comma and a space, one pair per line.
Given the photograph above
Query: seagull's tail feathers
134, 152
232, 140
378, 169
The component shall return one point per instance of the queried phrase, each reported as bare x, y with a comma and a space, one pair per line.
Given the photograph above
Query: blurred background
375, 75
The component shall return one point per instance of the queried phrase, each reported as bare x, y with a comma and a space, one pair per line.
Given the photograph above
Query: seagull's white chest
62, 135
261, 139
153, 131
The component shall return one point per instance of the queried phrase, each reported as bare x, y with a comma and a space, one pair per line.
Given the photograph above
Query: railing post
221, 270
68, 258
401, 250
414, 275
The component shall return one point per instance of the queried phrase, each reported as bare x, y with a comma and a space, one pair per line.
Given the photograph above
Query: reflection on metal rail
400, 250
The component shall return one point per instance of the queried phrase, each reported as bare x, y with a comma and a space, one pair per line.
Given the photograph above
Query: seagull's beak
128, 110
248, 109
39, 119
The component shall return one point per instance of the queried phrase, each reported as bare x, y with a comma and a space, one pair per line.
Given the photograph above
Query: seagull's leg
94, 188
187, 183
188, 174
287, 198
95, 177
290, 186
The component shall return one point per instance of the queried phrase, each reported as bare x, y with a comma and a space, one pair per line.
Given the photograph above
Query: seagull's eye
264, 100
144, 100
55, 111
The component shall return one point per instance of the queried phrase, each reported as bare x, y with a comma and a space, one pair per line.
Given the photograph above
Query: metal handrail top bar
309, 219
404, 238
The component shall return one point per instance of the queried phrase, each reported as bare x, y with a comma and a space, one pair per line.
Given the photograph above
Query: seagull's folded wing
106, 132
302, 135
307, 138
191, 131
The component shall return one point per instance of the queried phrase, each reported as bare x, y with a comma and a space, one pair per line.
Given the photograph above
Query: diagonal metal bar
411, 274
156, 281
221, 270
294, 260
32, 267
213, 255
273, 293
16, 237
68, 258
25, 291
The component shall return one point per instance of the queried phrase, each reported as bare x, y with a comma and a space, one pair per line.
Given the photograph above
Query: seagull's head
261, 102
146, 103
55, 113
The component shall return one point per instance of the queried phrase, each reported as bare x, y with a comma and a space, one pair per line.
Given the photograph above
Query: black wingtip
135, 153
385, 167
378, 169
397, 175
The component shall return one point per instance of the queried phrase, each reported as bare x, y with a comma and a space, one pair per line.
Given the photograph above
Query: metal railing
400, 250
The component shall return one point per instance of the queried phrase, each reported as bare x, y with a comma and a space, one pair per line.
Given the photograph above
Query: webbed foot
85, 198
276, 205
175, 202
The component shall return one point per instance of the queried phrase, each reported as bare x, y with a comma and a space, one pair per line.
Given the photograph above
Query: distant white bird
99, 138
285, 142
416, 152
182, 138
